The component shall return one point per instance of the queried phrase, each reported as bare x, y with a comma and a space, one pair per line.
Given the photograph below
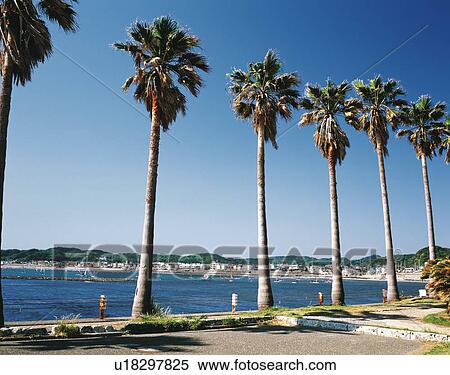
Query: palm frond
381, 106
61, 12
164, 54
263, 93
323, 106
423, 125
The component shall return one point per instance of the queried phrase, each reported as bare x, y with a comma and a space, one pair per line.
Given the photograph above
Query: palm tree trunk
265, 296
426, 187
337, 287
5, 105
391, 275
142, 303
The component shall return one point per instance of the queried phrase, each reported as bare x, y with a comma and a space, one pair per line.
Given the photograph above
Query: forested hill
62, 254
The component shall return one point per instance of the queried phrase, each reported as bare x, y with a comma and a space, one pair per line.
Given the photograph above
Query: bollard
102, 304
383, 295
320, 298
234, 301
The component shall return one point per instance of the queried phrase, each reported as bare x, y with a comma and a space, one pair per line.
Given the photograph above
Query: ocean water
35, 300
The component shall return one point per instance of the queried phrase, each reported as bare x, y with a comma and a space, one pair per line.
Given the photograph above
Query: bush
66, 327
439, 274
157, 323
67, 330
158, 310
230, 321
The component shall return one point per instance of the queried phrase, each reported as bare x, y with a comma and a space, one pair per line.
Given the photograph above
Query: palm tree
262, 94
380, 102
164, 54
324, 105
423, 128
445, 142
25, 41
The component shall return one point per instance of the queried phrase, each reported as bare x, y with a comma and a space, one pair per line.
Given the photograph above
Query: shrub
158, 323
66, 327
67, 330
439, 274
230, 321
159, 310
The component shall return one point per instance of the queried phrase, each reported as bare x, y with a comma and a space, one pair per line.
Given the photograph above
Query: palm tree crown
445, 143
380, 104
163, 54
423, 125
24, 33
324, 105
263, 93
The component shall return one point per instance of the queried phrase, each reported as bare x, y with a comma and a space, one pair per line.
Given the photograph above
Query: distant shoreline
275, 275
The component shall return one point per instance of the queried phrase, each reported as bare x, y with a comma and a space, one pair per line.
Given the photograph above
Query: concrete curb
364, 329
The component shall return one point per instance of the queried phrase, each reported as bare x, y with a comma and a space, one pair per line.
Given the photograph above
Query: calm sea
36, 300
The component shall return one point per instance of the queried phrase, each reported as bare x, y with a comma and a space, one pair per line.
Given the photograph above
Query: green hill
62, 254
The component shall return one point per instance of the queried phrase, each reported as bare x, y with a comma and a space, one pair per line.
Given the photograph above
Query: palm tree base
393, 298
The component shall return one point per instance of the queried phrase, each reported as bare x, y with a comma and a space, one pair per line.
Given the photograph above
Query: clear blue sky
77, 154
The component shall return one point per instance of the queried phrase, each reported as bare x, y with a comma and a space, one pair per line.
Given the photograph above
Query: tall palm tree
380, 108
25, 41
423, 128
445, 142
164, 54
323, 106
262, 94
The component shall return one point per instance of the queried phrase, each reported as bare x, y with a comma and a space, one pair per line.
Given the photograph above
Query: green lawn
347, 310
441, 319
441, 349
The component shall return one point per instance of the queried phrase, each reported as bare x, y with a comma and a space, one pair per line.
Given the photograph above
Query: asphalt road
247, 340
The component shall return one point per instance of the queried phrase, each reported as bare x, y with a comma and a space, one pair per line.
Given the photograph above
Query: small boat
205, 277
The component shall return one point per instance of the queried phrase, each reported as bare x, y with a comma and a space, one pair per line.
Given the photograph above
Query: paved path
247, 340
410, 318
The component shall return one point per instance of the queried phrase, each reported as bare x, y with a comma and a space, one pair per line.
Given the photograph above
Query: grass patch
309, 310
417, 301
266, 313
67, 330
162, 323
346, 310
167, 323
440, 319
329, 310
231, 321
66, 327
441, 349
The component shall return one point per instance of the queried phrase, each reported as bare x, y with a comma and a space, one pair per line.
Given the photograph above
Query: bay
35, 300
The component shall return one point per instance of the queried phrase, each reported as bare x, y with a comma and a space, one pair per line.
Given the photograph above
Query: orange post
320, 298
102, 304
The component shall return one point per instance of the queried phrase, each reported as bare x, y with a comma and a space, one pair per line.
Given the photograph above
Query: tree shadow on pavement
282, 330
107, 345
376, 315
